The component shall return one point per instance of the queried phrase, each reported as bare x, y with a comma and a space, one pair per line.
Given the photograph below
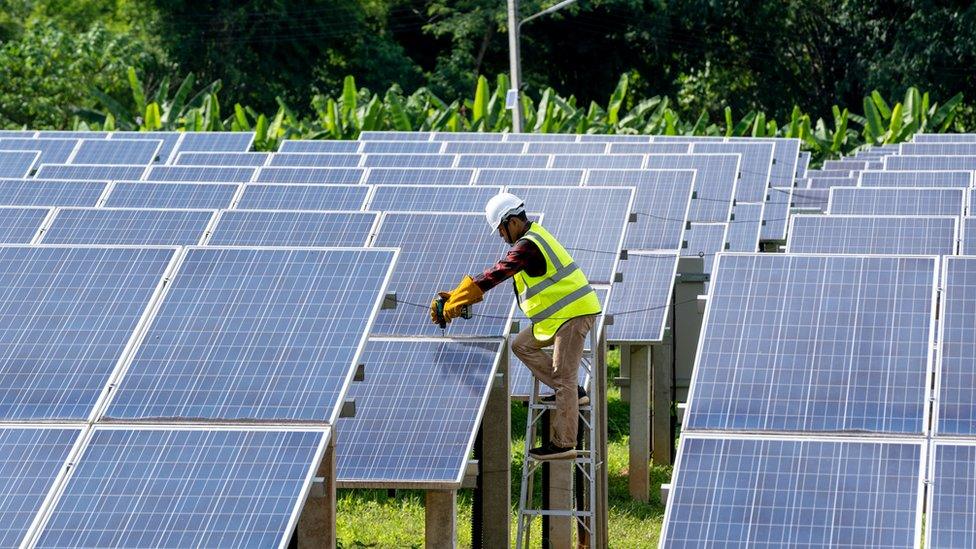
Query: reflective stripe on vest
560, 294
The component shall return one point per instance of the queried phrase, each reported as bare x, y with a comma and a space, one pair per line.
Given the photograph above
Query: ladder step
557, 513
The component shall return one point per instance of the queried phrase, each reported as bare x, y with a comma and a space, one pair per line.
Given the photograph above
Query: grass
378, 518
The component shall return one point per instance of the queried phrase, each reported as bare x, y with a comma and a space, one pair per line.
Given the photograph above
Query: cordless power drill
441, 321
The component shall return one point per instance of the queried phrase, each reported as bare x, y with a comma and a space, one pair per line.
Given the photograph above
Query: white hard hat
502, 206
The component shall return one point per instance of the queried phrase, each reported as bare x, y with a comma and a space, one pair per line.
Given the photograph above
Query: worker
555, 295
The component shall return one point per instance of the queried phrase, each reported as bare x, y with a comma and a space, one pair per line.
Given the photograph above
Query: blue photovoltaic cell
661, 202
319, 146
30, 461
49, 193
261, 334
419, 176
640, 304
649, 148
401, 147
180, 487
117, 151
506, 176
92, 226
409, 160
431, 199
169, 140
938, 149
755, 166
216, 142
810, 199
435, 259
714, 183
312, 160
816, 181
916, 178
599, 161
53, 151
416, 411
945, 138
824, 174
753, 492
956, 405
395, 136
89, 172
199, 174
588, 221
18, 133
66, 317
143, 194
302, 197
511, 161
479, 147
803, 164
614, 138
20, 225
743, 233
70, 134
815, 343
334, 176
291, 228
686, 139
453, 136
951, 511
846, 164
17, 164
543, 137
825, 234
566, 148
896, 201
968, 245
776, 214
967, 163
251, 159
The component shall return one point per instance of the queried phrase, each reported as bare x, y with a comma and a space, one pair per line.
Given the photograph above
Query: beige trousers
560, 371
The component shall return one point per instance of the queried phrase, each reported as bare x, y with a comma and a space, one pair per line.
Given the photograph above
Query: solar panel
661, 202
915, 179
766, 492
743, 232
116, 151
714, 183
543, 137
955, 378
169, 139
810, 199
511, 161
199, 174
409, 160
67, 315
835, 344
333, 176
776, 214
419, 176
185, 487
803, 164
450, 246
704, 240
53, 151
614, 138
251, 159
599, 161
896, 201
30, 192
944, 138
650, 148
755, 166
640, 303
401, 147
686, 138
142, 194
845, 164
70, 134
950, 520
117, 226
589, 222
966, 163
452, 136
788, 161
31, 461
310, 160
252, 333
18, 133
968, 245
565, 148
20, 225
302, 197
89, 172
429, 198
395, 135
319, 146
417, 412
480, 147
506, 176
216, 142
911, 235
292, 228
18, 164
816, 181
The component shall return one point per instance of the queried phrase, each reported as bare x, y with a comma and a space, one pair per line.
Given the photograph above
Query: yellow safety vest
562, 293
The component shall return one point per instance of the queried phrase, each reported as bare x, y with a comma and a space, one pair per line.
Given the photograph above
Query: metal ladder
585, 467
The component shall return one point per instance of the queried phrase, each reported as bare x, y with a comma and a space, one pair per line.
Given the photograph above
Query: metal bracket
608, 320
348, 408
389, 301
692, 277
471, 471
702, 300
360, 373
621, 381
665, 491
499, 380
516, 327
623, 255
632, 218
618, 277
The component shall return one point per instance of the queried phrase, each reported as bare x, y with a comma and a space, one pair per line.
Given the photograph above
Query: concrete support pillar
560, 498
317, 524
601, 507
495, 467
440, 519
640, 420
662, 441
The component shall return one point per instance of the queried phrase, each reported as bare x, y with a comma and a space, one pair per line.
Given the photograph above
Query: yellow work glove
433, 306
466, 293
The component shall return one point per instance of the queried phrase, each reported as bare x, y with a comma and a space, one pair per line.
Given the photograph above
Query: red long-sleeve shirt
523, 256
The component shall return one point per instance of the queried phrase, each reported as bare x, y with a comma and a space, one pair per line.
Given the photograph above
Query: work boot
550, 452
584, 399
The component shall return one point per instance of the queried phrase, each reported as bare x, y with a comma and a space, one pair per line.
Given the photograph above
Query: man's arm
523, 256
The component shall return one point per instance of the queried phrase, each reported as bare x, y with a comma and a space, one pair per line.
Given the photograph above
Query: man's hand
466, 293
434, 317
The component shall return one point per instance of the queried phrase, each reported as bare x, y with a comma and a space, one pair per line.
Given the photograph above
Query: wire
615, 314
